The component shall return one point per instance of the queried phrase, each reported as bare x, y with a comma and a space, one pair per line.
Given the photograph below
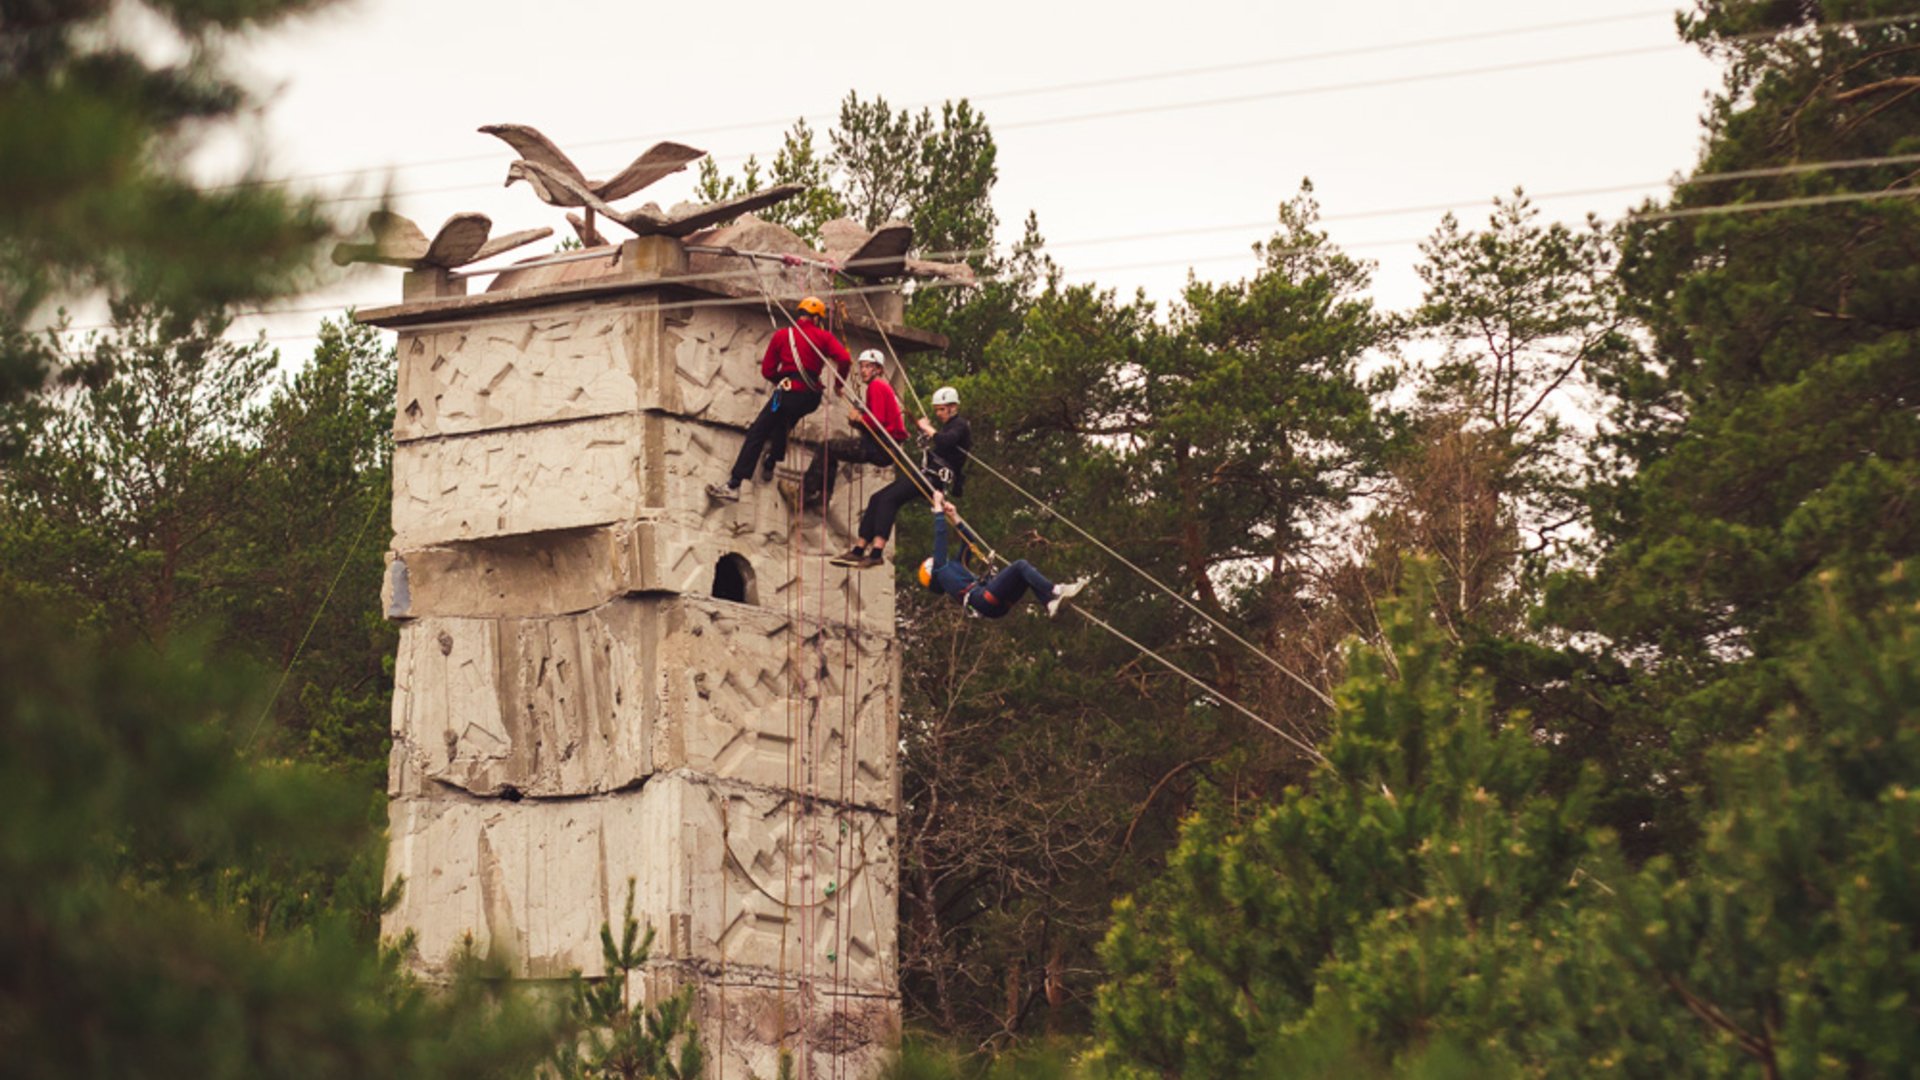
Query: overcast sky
1202, 115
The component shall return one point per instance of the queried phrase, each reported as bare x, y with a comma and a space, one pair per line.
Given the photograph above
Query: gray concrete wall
574, 707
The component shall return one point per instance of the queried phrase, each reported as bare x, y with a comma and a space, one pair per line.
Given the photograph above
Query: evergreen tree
92, 193
1769, 435
654, 1042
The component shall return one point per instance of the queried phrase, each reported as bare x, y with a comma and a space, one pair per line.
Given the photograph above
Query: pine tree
654, 1042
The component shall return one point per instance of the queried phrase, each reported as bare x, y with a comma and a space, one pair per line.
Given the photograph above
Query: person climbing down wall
795, 363
995, 596
944, 470
883, 405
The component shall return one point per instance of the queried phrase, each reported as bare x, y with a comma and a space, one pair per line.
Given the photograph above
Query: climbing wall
604, 677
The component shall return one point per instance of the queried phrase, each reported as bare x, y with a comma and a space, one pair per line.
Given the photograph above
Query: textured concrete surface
572, 570
747, 1016
727, 874
604, 675
579, 473
585, 704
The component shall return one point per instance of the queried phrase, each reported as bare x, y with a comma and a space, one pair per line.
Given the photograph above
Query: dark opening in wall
733, 580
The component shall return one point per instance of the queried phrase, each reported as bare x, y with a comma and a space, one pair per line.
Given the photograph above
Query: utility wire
1854, 24
980, 279
1022, 92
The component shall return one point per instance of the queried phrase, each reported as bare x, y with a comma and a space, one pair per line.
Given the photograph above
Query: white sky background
388, 94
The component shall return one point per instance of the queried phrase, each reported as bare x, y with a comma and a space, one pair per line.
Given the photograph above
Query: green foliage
796, 162
91, 193
126, 815
1788, 936
123, 503
1424, 835
619, 1040
1522, 310
1769, 434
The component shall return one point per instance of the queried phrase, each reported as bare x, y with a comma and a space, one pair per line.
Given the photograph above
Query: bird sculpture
463, 239
879, 254
659, 160
562, 189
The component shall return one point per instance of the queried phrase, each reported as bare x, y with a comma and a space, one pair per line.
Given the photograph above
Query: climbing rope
1316, 691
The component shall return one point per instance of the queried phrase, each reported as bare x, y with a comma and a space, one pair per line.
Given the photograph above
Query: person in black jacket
944, 472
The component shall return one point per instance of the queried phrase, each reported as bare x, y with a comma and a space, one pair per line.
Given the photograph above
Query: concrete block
585, 704
573, 570
736, 878
574, 474
746, 1018
588, 360
565, 365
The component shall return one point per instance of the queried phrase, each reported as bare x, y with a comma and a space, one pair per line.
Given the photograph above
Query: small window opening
733, 580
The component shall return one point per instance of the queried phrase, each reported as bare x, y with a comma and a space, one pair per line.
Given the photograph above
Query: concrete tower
603, 676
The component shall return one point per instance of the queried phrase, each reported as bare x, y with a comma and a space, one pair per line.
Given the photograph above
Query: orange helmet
813, 306
926, 572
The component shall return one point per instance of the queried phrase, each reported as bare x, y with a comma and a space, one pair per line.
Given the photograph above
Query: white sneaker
1062, 593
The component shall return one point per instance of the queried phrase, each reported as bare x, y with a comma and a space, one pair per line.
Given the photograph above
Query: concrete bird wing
700, 217
458, 241
959, 273
660, 160
396, 237
557, 188
508, 242
841, 237
883, 255
533, 146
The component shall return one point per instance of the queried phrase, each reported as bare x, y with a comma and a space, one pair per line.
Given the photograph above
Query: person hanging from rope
992, 597
795, 363
944, 470
883, 406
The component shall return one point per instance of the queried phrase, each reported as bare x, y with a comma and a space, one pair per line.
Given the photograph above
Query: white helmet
872, 356
946, 395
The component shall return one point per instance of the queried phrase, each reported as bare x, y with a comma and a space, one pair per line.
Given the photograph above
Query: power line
1688, 212
1028, 91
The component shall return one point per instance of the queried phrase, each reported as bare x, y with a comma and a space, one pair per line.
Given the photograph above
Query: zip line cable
965, 529
1324, 698
347, 558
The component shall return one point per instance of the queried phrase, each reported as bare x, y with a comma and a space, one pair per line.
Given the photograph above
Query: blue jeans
1004, 589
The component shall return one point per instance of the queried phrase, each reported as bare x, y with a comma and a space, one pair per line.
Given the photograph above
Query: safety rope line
885, 438
1323, 697
1304, 747
1316, 691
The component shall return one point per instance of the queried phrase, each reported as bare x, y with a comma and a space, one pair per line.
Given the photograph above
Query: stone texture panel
569, 571
593, 360
563, 365
746, 1018
517, 481
727, 875
599, 471
585, 704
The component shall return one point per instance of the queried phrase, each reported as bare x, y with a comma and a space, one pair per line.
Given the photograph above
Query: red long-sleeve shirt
787, 355
884, 406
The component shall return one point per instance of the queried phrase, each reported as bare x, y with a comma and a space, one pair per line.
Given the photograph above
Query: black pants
863, 450
770, 430
884, 507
